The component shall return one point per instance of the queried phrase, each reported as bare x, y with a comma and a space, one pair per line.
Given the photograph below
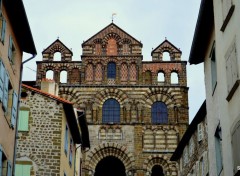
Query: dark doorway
110, 166
157, 171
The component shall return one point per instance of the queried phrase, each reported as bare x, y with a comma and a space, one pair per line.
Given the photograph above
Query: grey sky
149, 21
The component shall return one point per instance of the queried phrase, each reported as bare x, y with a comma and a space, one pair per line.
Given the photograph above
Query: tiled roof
47, 94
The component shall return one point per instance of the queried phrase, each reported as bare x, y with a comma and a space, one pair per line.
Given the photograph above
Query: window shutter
9, 168
194, 170
5, 92
18, 169
0, 7
10, 48
26, 170
2, 74
236, 146
66, 140
23, 120
70, 151
205, 158
14, 109
200, 132
197, 169
0, 160
3, 29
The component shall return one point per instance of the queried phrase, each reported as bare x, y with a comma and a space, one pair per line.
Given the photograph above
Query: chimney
49, 86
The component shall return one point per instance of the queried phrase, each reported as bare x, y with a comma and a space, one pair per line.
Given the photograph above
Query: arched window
63, 76
111, 70
98, 49
161, 77
148, 77
157, 171
125, 49
166, 56
57, 56
159, 112
75, 76
49, 74
174, 78
111, 111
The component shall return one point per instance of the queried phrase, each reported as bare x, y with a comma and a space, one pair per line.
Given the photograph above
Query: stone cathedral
136, 112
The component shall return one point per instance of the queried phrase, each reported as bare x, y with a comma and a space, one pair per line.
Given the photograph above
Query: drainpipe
75, 160
16, 126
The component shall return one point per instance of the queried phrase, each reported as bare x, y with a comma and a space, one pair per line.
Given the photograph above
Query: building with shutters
216, 44
15, 38
48, 131
136, 110
192, 151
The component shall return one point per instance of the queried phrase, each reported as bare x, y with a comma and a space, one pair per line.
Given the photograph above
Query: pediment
57, 46
112, 31
166, 46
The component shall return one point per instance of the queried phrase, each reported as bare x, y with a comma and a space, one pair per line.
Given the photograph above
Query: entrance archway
110, 166
157, 171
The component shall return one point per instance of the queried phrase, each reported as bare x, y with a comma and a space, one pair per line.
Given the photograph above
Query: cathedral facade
136, 112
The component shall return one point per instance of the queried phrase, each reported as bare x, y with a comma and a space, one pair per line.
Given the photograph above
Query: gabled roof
109, 29
68, 109
203, 29
166, 44
54, 97
56, 42
18, 19
199, 117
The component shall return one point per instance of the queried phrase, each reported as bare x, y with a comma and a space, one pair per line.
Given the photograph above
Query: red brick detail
99, 73
124, 72
112, 47
89, 72
133, 72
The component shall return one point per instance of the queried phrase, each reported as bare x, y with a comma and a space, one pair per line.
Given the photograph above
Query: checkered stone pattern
111, 81
89, 72
75, 79
98, 72
124, 72
133, 72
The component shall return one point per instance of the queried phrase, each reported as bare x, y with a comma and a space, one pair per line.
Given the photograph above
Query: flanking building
216, 44
48, 131
15, 38
192, 151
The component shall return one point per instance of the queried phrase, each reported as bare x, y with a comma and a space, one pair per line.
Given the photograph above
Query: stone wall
42, 143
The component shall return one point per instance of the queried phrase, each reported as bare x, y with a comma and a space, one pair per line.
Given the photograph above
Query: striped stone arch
111, 35
126, 41
148, 69
111, 59
63, 66
98, 41
96, 154
70, 94
167, 95
49, 66
160, 160
57, 48
105, 94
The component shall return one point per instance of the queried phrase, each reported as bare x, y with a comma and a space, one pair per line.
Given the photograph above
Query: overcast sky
149, 21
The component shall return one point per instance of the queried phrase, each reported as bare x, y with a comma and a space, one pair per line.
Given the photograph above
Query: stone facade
41, 145
112, 69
